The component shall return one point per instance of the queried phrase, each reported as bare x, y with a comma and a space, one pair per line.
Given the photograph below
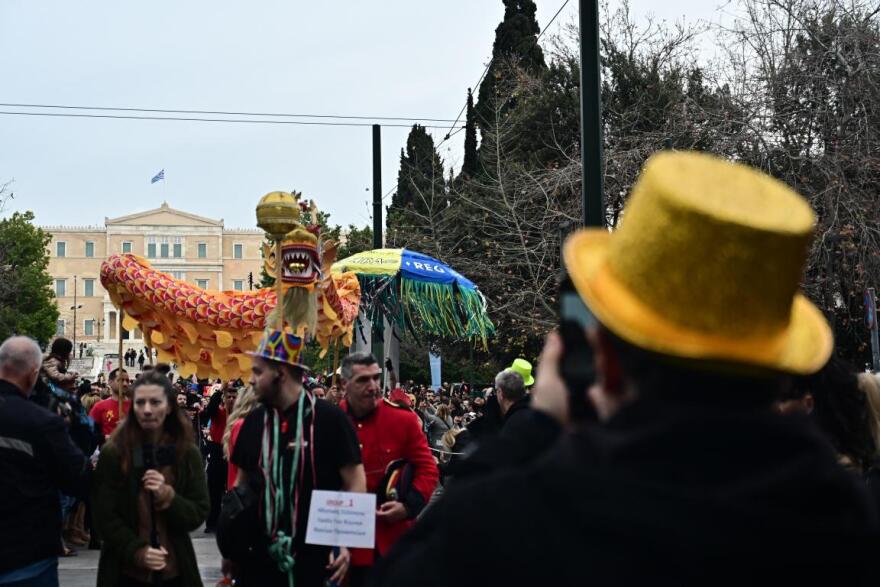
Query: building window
238, 285
126, 246
178, 275
237, 251
151, 250
89, 327
60, 288
59, 328
61, 249
202, 283
203, 250
163, 250
90, 248
178, 250
88, 287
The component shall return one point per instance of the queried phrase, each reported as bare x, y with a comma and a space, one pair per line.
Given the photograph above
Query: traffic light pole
377, 344
591, 116
74, 315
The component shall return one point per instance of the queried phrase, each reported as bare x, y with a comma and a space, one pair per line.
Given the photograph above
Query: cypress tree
516, 37
421, 171
471, 158
401, 198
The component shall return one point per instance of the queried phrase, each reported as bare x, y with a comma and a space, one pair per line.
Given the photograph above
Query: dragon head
300, 252
299, 269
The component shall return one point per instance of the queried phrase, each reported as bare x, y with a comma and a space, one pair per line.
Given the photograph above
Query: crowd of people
722, 441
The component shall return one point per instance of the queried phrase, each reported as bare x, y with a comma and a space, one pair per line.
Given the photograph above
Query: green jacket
114, 506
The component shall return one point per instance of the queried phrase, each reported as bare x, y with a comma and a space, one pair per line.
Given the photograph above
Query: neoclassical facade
196, 249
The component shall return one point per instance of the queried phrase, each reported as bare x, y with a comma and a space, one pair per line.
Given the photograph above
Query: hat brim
265, 358
803, 347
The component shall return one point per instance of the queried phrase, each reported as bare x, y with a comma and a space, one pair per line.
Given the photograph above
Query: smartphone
576, 365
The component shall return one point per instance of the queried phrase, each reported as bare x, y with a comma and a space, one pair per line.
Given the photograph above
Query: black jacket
37, 462
516, 409
525, 435
662, 495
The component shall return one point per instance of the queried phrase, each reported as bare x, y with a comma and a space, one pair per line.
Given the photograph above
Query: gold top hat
706, 265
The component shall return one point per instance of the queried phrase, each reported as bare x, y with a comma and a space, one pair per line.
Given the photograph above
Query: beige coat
52, 369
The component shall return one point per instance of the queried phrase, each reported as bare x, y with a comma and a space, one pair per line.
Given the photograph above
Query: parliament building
198, 250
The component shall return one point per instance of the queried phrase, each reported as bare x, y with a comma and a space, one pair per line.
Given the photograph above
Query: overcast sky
399, 58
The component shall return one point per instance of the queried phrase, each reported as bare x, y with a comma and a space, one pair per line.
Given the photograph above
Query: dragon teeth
299, 265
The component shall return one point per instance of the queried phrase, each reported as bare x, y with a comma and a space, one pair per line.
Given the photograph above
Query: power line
194, 119
458, 116
564, 4
223, 113
388, 193
451, 130
457, 130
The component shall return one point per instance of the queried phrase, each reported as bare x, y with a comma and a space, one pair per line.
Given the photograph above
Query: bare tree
5, 195
796, 93
807, 75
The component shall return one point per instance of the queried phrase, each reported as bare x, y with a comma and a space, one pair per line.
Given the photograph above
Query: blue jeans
46, 576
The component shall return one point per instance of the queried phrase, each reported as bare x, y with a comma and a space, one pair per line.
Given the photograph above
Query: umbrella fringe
446, 310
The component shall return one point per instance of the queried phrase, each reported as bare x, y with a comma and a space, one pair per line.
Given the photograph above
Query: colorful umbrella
418, 293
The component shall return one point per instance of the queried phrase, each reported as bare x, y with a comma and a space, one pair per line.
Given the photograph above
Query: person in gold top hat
690, 477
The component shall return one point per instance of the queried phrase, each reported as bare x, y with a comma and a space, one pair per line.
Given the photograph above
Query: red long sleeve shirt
388, 434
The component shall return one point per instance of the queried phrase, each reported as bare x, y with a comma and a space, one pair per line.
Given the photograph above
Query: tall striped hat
280, 346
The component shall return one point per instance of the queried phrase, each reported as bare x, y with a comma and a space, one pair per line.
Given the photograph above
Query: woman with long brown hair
150, 493
244, 405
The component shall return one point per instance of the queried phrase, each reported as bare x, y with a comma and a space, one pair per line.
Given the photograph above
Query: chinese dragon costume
208, 332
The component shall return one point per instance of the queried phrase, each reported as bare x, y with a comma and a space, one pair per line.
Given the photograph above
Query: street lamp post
74, 307
100, 326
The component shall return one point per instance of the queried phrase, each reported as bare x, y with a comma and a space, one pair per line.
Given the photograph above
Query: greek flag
158, 177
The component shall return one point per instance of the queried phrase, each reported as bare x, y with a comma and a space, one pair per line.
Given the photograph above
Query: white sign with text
339, 518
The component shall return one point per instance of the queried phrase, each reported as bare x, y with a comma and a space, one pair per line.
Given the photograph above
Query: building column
220, 285
106, 328
112, 320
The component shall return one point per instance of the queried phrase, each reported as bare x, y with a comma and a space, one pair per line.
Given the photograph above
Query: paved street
81, 570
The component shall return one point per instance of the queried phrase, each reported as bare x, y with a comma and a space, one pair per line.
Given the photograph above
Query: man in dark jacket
37, 461
511, 390
524, 434
694, 320
217, 412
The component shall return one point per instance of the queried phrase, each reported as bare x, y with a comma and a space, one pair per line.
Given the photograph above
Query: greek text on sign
340, 518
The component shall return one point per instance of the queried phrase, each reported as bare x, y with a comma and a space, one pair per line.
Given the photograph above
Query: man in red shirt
105, 413
387, 433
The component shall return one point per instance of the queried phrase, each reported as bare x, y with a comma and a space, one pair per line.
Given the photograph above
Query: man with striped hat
290, 445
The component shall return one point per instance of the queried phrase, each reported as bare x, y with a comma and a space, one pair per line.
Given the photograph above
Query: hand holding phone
576, 363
